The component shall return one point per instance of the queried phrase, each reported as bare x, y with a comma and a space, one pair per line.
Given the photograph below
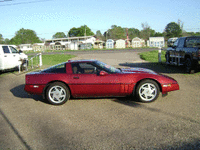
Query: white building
120, 44
25, 47
71, 43
156, 42
38, 46
137, 42
109, 44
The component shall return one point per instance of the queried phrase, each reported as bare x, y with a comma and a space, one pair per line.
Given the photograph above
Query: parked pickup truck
11, 58
185, 51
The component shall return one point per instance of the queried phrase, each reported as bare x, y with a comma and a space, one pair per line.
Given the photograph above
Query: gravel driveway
171, 122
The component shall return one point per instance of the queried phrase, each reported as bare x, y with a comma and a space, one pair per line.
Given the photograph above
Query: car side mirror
103, 73
20, 51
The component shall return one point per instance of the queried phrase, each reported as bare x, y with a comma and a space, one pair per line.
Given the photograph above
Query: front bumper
169, 87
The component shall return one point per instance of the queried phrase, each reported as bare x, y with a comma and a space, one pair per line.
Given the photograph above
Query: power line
5, 0
23, 2
191, 28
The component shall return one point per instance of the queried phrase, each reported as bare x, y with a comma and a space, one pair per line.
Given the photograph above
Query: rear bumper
34, 89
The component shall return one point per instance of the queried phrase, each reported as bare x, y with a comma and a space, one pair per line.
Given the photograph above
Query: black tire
147, 91
188, 66
57, 93
168, 59
24, 65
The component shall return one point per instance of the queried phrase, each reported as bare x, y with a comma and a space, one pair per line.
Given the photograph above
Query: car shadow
128, 101
158, 67
18, 91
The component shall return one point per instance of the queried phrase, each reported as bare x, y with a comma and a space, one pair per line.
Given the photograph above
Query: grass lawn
50, 60
62, 51
152, 56
55, 59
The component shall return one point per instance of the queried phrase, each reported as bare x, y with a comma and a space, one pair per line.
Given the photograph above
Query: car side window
192, 42
181, 42
13, 50
83, 68
77, 69
6, 49
175, 43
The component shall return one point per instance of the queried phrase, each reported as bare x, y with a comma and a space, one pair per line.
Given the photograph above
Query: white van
11, 58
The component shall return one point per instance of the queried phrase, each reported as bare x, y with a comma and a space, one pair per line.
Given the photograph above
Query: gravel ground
171, 122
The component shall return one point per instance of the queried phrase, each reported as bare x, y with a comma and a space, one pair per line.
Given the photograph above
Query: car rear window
60, 68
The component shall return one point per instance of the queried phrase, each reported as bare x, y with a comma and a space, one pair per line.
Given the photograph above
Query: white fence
33, 62
36, 60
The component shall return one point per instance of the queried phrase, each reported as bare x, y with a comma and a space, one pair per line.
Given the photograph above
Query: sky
46, 17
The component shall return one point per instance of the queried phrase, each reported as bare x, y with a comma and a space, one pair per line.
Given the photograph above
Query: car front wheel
168, 59
189, 66
57, 93
147, 91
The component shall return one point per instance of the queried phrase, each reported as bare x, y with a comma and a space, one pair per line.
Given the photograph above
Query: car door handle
76, 77
5, 56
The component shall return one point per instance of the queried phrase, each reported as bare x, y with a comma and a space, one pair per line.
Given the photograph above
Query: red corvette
92, 78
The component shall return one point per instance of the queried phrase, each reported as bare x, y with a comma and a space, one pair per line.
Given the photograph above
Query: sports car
93, 78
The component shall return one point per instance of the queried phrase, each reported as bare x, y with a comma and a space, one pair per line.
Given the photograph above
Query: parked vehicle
92, 78
184, 51
11, 58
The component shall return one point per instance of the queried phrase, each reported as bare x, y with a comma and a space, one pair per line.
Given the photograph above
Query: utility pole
127, 42
85, 34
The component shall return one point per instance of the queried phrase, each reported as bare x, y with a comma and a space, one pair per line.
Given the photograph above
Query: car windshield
107, 68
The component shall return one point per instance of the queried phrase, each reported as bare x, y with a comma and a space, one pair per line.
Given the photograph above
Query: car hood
138, 70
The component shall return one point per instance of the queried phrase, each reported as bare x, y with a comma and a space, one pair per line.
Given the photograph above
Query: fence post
32, 62
40, 57
159, 54
19, 66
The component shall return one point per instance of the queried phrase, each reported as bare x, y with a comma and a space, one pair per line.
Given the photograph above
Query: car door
87, 82
7, 58
16, 55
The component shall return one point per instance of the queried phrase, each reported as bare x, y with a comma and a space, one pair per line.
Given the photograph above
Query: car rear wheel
57, 93
147, 91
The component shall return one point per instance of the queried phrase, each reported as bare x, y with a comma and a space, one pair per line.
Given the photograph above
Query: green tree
6, 41
25, 36
99, 35
132, 33
1, 39
158, 34
173, 30
180, 23
81, 31
116, 32
59, 35
146, 31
